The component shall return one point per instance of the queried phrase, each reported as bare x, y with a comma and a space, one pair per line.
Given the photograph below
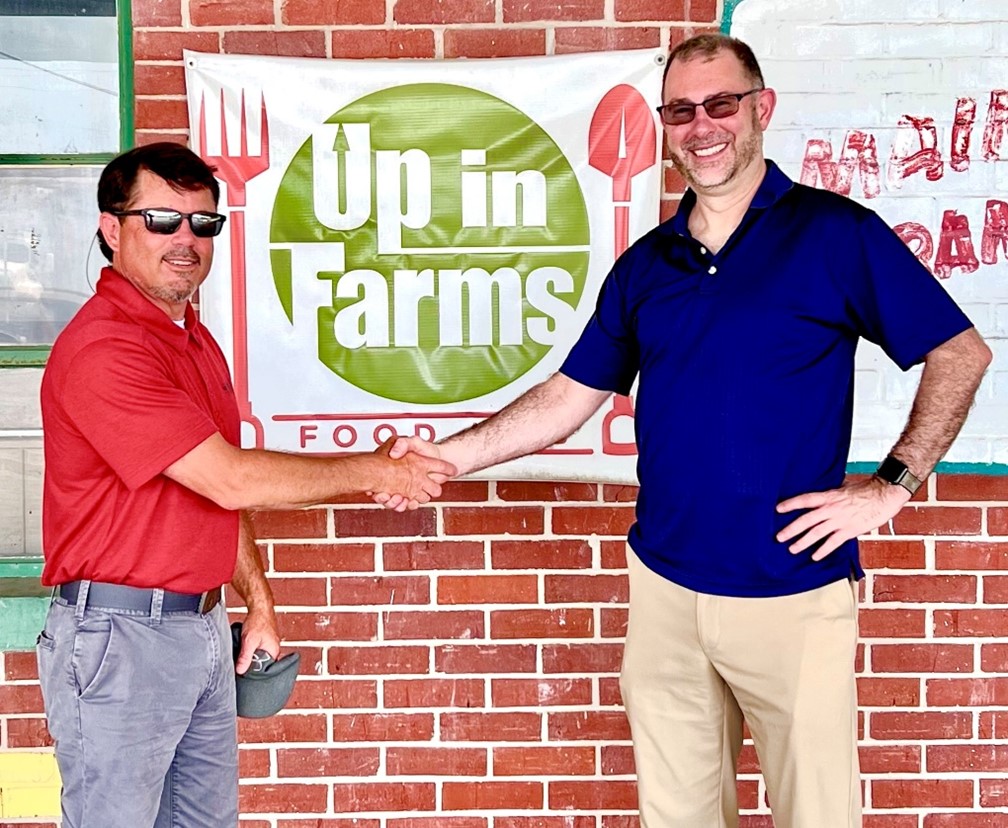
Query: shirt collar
119, 291
772, 188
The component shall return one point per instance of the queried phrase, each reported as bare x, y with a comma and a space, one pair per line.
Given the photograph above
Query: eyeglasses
717, 106
164, 221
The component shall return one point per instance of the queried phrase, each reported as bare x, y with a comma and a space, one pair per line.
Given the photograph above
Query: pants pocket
91, 653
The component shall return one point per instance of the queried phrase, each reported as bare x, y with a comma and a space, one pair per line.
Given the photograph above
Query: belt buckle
209, 600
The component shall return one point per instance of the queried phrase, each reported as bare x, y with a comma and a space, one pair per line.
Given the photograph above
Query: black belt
121, 597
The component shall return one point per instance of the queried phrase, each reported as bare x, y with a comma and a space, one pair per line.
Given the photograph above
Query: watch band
895, 472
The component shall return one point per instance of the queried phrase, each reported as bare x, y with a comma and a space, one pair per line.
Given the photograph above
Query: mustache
708, 140
182, 251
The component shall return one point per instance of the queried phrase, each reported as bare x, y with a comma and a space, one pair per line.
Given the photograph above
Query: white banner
413, 244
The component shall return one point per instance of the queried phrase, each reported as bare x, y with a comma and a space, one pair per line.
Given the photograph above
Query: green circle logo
442, 236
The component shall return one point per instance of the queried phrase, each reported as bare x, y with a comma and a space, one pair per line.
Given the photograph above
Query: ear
766, 102
110, 227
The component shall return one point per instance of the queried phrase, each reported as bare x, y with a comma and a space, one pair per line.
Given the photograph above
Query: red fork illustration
621, 143
236, 169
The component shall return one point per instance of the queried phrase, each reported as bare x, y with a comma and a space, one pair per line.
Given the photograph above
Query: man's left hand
840, 514
259, 632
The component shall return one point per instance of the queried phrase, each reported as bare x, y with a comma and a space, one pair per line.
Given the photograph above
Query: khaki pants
696, 664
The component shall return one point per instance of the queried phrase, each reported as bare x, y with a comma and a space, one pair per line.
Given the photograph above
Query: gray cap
264, 691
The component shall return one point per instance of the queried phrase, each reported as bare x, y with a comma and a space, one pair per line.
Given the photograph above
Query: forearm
249, 579
951, 376
542, 416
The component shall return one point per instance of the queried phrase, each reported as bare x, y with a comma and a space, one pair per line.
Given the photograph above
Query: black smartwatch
895, 472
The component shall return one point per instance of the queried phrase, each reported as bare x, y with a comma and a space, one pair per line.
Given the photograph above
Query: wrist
894, 472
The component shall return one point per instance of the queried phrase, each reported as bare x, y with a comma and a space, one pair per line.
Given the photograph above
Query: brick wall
459, 663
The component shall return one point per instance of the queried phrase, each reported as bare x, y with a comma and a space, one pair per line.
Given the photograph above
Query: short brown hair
708, 45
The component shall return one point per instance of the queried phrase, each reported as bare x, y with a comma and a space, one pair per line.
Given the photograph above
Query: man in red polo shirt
144, 521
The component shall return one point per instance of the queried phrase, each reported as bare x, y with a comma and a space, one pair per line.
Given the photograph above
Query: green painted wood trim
15, 356
726, 18
20, 622
81, 159
987, 469
124, 13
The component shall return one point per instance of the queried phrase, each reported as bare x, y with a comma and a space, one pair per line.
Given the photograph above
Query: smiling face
712, 153
167, 269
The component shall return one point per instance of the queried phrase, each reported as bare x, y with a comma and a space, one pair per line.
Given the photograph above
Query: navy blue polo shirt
746, 364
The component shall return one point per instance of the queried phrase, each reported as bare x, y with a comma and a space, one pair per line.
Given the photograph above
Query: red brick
425, 761
925, 589
617, 760
327, 761
981, 487
907, 725
566, 821
994, 793
490, 520
28, 733
281, 43
519, 11
433, 625
439, 821
667, 208
551, 554
544, 761
155, 13
300, 523
383, 523
702, 11
383, 727
970, 555
485, 658
434, 692
982, 623
610, 795
894, 623
380, 590
378, 660
633, 822
158, 79
890, 821
490, 727
964, 820
921, 658
324, 557
967, 692
892, 554
578, 589
937, 520
161, 113
613, 554
20, 698
443, 11
385, 796
493, 43
492, 796
874, 691
325, 694
598, 520
568, 39
299, 592
995, 589
327, 626
994, 658
488, 589
588, 724
333, 12
536, 692
536, 491
890, 759
657, 10
609, 692
613, 622
286, 727
20, 666
399, 43
231, 12
994, 724
315, 822
997, 520
285, 799
421, 555
536, 623
923, 793
966, 758
253, 763
582, 658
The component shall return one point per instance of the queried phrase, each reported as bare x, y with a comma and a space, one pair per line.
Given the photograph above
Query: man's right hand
416, 474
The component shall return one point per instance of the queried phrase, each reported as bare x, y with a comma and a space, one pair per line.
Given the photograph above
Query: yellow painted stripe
29, 785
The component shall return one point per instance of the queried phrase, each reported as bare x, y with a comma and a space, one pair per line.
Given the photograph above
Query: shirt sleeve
897, 303
130, 409
606, 356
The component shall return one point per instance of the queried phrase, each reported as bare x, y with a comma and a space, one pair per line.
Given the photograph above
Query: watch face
891, 470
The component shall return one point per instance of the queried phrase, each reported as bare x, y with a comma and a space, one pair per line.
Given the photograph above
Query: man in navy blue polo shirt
741, 316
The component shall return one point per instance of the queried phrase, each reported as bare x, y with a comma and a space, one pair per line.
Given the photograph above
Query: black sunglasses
164, 221
678, 113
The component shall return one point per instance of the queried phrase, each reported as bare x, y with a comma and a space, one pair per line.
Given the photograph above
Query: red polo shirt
126, 393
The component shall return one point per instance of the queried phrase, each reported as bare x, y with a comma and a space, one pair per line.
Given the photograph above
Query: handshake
414, 475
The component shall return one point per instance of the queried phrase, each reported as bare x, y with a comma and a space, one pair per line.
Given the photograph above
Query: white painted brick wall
842, 65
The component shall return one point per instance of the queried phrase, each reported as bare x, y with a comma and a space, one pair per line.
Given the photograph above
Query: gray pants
142, 709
